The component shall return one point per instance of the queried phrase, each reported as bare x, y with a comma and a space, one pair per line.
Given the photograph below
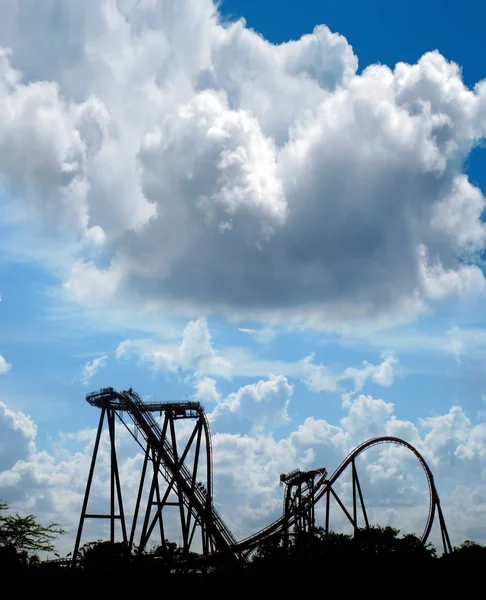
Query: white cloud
438, 282
206, 390
475, 444
447, 434
92, 367
263, 404
18, 433
384, 373
465, 342
367, 417
318, 377
43, 155
90, 285
265, 335
4, 366
219, 172
147, 352
455, 345
195, 353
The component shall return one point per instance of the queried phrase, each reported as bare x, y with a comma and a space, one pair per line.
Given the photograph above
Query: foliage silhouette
104, 554
370, 555
374, 549
22, 537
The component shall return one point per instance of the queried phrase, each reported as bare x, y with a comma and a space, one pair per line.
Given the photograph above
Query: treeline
371, 557
375, 551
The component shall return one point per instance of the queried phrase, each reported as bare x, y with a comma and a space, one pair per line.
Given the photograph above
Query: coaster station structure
299, 500
171, 482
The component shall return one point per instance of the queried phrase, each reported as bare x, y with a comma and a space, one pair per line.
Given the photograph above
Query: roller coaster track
199, 501
172, 467
324, 486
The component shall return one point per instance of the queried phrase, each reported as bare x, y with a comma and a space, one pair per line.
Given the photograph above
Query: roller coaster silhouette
167, 481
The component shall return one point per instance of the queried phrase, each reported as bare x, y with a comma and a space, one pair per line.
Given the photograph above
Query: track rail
200, 502
196, 500
324, 485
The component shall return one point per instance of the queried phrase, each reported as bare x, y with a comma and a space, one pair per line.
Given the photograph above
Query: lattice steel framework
324, 488
299, 485
169, 480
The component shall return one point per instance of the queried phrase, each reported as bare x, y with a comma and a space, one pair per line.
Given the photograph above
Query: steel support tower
174, 468
299, 485
165, 479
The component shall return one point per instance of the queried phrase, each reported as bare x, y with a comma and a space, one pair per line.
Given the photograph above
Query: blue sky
291, 232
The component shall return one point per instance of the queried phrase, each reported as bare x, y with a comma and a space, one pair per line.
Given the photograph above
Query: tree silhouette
104, 554
373, 549
24, 535
470, 550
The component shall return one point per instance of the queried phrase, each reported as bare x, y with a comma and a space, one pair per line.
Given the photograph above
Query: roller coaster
167, 481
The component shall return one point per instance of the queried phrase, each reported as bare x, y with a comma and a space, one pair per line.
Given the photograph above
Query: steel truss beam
434, 501
324, 487
298, 485
171, 483
164, 474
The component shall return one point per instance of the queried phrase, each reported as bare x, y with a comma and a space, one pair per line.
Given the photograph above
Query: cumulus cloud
18, 433
447, 434
382, 374
367, 417
194, 353
211, 170
263, 404
292, 232
92, 367
43, 154
206, 390
320, 378
4, 366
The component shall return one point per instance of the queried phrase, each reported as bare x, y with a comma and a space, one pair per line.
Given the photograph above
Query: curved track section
323, 486
199, 501
434, 497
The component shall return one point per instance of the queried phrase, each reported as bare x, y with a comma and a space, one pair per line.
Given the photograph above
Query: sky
273, 208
